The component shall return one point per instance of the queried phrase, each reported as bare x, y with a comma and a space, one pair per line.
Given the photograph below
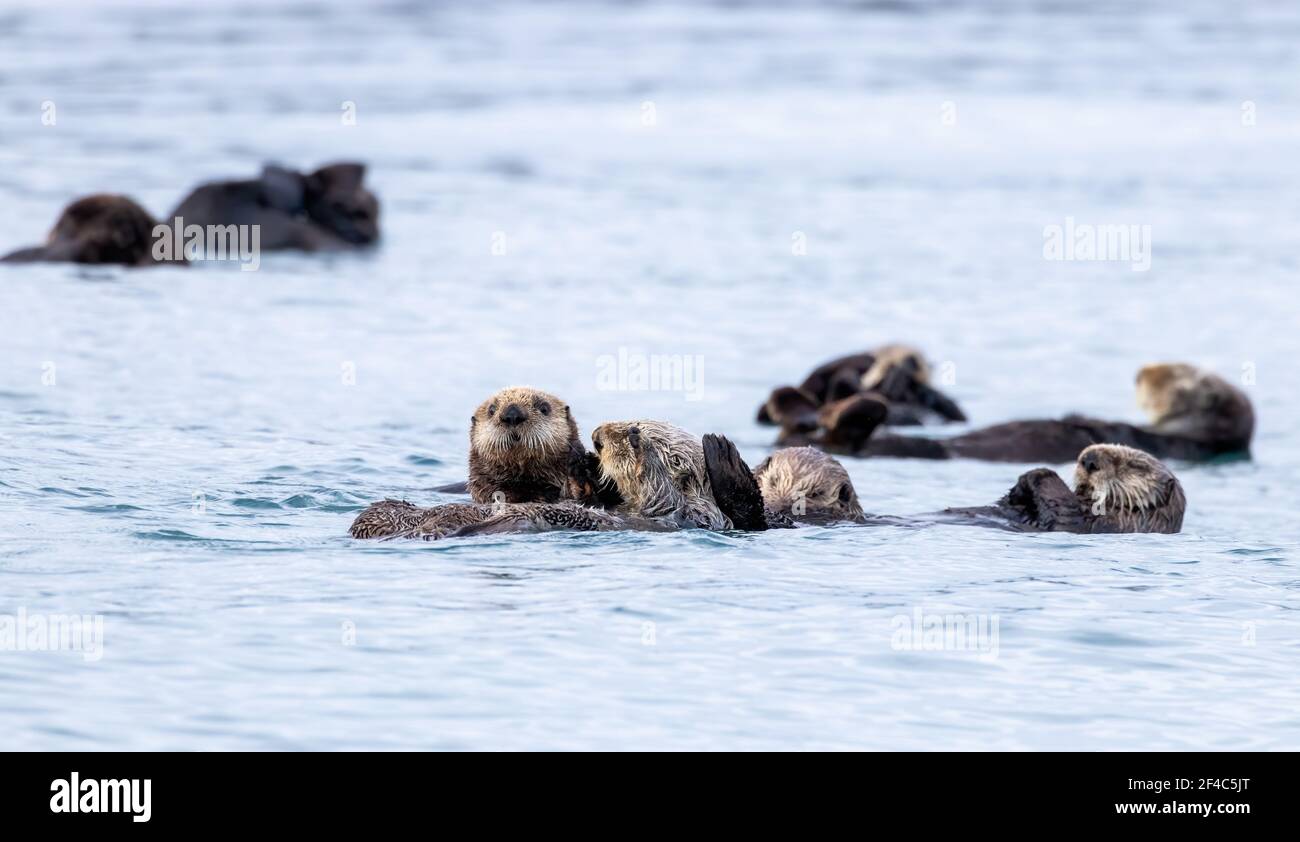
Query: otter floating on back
326, 210
896, 375
102, 229
1117, 489
1195, 415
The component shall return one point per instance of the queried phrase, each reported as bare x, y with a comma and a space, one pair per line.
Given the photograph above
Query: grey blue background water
191, 470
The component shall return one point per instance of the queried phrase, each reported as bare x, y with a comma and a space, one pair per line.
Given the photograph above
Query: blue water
181, 452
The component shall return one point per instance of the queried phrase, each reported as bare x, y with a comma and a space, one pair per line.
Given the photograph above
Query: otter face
334, 197
1182, 399
1128, 490
520, 420
808, 484
658, 469
888, 356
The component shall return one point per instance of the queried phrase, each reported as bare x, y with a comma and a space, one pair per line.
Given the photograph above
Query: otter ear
340, 178
281, 189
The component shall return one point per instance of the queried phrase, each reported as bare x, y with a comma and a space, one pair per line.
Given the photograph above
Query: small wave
108, 509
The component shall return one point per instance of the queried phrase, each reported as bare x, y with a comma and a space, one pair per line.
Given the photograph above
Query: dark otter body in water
98, 230
327, 210
658, 470
400, 519
1117, 489
896, 375
524, 447
527, 467
1196, 416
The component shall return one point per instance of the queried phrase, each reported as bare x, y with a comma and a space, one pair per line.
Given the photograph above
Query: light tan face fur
523, 420
888, 356
1129, 488
1168, 389
805, 482
658, 468
1182, 399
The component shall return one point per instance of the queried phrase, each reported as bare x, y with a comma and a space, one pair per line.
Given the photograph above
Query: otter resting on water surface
1195, 415
1117, 489
524, 445
896, 375
326, 210
102, 230
658, 470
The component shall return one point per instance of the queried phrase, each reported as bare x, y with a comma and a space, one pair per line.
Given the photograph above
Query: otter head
1128, 490
1182, 399
793, 409
332, 197
659, 470
523, 422
100, 229
905, 357
809, 485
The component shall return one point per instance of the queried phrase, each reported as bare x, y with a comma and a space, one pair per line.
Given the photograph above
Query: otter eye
544, 407
492, 410
846, 493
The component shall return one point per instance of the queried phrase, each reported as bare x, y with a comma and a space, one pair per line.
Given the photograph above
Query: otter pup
1195, 416
813, 486
101, 229
1117, 489
659, 471
524, 445
326, 210
897, 375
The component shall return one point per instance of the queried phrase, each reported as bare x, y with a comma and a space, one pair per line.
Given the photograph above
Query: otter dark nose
1091, 463
595, 439
634, 437
513, 416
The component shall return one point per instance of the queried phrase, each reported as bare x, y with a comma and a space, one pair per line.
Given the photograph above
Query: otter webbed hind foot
734, 487
901, 385
848, 423
1040, 501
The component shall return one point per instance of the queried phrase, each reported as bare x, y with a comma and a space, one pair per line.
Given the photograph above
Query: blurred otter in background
327, 210
896, 375
102, 229
1195, 416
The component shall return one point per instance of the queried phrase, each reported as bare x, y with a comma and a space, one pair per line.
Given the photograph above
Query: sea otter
400, 519
102, 229
658, 471
326, 210
1117, 489
810, 485
524, 445
1195, 415
896, 374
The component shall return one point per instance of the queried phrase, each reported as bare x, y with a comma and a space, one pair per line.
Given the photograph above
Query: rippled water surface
181, 451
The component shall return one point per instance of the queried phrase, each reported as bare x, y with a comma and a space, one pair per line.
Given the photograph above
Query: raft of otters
1195, 415
529, 471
